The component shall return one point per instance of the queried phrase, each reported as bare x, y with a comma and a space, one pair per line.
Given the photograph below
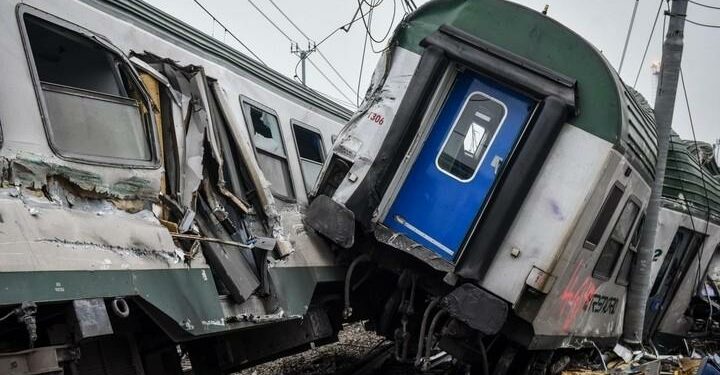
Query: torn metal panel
51, 237
228, 263
263, 187
34, 171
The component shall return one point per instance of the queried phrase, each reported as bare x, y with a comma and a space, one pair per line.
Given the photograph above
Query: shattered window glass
618, 237
266, 131
470, 136
272, 158
311, 153
94, 110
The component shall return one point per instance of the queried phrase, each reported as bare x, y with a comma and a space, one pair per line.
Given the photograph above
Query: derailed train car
153, 183
496, 176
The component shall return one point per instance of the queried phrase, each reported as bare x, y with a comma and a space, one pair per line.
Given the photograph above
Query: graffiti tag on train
601, 304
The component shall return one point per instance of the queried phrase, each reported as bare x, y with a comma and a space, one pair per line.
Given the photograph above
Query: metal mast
664, 108
302, 54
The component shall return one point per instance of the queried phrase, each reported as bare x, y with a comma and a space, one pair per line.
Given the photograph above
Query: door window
616, 242
467, 142
603, 218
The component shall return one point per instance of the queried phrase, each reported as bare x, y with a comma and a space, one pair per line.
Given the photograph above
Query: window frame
251, 130
148, 120
628, 238
592, 246
456, 122
631, 251
293, 123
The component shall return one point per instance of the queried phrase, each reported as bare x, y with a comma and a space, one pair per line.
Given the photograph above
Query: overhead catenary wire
215, 20
367, 26
704, 5
627, 38
308, 58
329, 80
647, 46
702, 24
362, 65
322, 56
702, 174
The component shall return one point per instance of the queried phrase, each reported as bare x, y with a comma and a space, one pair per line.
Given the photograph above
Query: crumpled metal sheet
52, 237
284, 246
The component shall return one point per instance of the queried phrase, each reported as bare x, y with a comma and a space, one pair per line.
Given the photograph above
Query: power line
703, 5
652, 32
362, 64
702, 24
702, 174
327, 61
271, 22
627, 38
329, 81
307, 57
229, 32
367, 27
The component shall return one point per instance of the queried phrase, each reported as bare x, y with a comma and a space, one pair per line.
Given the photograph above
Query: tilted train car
499, 167
153, 183
687, 242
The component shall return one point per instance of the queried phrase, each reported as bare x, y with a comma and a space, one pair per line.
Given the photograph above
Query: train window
310, 151
623, 277
270, 149
467, 142
615, 243
95, 107
603, 217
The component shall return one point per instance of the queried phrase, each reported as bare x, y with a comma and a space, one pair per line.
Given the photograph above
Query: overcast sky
603, 22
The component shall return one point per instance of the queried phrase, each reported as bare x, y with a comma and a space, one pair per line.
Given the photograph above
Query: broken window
310, 152
603, 217
95, 109
465, 147
616, 242
269, 147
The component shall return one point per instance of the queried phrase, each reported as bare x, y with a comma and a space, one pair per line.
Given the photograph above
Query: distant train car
687, 242
499, 168
153, 183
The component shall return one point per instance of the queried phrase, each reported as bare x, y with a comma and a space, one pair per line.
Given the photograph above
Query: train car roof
538, 38
158, 22
690, 187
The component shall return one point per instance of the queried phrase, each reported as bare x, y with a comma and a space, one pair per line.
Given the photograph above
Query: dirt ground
355, 343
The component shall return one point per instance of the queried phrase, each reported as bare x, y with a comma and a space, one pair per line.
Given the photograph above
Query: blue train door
473, 135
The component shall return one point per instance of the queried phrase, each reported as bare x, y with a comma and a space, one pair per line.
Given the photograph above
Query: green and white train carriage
500, 159
152, 200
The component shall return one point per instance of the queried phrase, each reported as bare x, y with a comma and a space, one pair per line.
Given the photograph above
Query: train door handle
496, 163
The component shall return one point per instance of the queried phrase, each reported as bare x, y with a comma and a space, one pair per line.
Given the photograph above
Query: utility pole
302, 54
664, 107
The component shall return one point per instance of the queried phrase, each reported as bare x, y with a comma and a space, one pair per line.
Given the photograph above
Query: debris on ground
354, 344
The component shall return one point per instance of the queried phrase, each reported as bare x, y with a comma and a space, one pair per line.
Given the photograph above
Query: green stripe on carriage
181, 294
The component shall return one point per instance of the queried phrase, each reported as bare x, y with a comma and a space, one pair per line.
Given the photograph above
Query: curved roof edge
536, 37
158, 22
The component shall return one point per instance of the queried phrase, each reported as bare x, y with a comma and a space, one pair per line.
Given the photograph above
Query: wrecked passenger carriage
499, 170
154, 200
